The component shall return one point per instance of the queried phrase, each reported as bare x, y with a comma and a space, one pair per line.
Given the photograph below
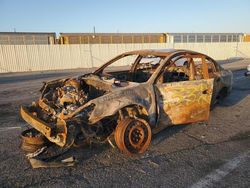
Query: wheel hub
133, 136
136, 136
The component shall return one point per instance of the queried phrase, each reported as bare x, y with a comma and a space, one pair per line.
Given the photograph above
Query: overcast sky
125, 15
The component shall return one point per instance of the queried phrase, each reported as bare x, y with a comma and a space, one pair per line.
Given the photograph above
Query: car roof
156, 52
160, 52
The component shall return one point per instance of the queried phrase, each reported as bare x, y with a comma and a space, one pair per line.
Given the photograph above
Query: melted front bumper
45, 128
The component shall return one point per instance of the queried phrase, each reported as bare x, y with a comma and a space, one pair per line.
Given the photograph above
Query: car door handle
161, 96
205, 92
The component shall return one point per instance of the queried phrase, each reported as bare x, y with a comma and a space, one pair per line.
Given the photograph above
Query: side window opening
198, 68
178, 70
146, 67
120, 69
201, 67
122, 64
212, 72
206, 70
134, 68
188, 67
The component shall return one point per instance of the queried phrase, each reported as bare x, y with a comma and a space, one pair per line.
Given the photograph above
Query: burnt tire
133, 136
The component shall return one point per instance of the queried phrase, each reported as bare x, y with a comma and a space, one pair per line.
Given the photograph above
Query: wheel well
133, 111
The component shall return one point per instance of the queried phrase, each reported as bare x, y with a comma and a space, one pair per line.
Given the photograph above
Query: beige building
26, 38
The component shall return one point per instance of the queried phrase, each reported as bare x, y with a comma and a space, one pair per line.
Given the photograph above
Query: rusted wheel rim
133, 136
32, 136
32, 140
136, 135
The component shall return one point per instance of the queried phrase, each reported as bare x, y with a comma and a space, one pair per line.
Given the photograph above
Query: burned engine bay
62, 98
62, 112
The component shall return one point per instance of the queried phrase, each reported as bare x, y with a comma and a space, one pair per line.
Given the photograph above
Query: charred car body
131, 97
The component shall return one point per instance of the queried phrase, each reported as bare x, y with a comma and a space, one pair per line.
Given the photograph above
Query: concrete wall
20, 58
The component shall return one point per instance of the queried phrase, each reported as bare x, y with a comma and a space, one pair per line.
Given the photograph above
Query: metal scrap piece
35, 163
36, 153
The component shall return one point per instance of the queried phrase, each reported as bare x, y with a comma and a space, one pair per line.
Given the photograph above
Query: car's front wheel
133, 136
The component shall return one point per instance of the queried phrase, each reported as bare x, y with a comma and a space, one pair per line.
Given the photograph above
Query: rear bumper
43, 127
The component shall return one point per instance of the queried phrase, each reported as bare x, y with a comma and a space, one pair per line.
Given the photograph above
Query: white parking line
8, 128
224, 170
239, 78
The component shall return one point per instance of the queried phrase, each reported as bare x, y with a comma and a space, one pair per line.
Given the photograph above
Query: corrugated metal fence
20, 58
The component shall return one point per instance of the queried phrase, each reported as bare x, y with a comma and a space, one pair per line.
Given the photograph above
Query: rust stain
187, 102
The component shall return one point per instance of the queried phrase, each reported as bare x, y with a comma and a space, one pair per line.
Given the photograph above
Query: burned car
129, 98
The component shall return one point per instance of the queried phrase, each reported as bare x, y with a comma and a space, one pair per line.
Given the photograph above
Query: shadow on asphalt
166, 133
87, 153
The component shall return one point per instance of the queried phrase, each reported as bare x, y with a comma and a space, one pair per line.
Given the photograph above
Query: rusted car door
187, 101
184, 102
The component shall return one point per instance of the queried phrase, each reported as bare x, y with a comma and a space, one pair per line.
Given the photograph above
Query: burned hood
64, 98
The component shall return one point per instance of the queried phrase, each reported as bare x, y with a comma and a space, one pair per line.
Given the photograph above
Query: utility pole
93, 36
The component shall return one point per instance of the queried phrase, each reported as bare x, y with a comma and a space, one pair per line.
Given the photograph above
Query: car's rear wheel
133, 136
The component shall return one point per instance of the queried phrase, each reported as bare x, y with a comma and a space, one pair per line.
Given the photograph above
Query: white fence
21, 58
